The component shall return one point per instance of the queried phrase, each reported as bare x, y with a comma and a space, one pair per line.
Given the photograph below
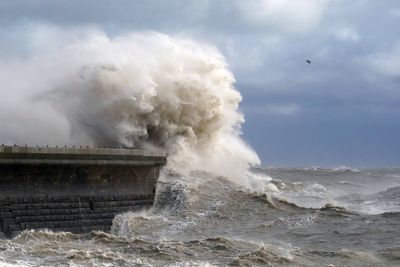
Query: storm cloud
342, 109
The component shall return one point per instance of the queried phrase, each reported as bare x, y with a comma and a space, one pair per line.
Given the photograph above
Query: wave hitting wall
145, 90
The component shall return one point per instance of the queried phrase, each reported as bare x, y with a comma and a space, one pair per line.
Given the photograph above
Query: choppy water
309, 217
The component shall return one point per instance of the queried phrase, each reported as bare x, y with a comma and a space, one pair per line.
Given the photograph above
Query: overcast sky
342, 109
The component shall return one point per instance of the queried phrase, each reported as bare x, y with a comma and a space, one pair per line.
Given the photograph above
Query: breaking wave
208, 220
142, 90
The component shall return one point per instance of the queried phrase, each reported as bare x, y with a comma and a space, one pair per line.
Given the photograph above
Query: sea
300, 217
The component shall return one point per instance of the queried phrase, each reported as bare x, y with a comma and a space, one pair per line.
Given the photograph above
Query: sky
342, 109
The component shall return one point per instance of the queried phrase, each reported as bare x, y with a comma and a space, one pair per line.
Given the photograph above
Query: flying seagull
308, 61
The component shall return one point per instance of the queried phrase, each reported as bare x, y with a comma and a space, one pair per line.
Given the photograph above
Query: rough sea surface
302, 217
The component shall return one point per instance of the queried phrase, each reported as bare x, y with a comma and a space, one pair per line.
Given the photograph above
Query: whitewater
213, 205
214, 222
143, 90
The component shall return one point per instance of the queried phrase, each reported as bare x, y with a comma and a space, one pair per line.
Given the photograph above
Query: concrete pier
73, 189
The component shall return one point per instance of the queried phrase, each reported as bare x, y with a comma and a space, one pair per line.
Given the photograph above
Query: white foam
146, 90
345, 168
260, 183
5, 264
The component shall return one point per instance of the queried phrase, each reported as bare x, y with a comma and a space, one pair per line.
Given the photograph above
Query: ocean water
300, 217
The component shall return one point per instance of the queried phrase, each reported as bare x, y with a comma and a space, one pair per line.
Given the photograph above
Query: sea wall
73, 189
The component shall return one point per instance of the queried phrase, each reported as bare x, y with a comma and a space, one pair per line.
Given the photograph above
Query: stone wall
65, 213
75, 190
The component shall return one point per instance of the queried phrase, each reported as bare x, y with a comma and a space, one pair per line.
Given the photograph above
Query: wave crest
155, 92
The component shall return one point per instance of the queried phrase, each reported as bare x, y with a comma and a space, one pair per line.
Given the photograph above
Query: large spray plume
142, 90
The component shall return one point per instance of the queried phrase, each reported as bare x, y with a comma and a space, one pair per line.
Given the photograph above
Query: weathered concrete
76, 189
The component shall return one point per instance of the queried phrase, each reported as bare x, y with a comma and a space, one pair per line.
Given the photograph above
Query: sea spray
140, 90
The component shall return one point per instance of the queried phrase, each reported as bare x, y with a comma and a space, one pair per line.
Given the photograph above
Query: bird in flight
308, 61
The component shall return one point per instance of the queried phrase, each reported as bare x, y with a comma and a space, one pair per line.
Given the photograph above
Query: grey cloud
174, 15
347, 34
387, 62
353, 46
289, 16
